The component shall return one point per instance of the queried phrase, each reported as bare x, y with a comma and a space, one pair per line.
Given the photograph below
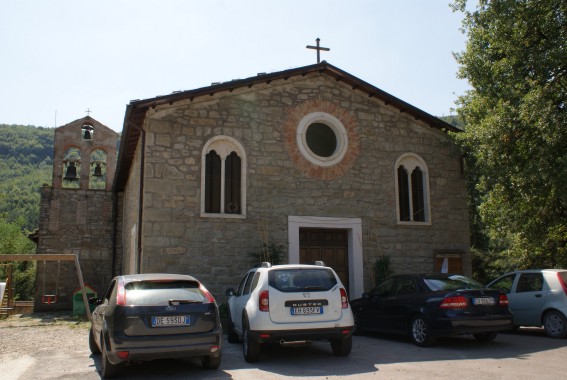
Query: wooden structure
55, 257
6, 293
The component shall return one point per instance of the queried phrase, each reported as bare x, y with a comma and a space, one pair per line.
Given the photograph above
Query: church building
305, 164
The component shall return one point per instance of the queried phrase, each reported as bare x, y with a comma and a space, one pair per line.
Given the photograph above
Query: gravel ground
32, 334
55, 347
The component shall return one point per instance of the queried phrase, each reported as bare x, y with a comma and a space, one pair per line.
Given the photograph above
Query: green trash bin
79, 304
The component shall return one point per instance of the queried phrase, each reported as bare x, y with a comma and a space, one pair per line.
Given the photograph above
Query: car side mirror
229, 292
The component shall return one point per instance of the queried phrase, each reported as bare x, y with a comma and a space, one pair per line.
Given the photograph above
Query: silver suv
537, 297
289, 304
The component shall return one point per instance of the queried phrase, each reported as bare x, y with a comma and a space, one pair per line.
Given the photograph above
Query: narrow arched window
417, 195
232, 184
403, 194
212, 182
223, 182
412, 189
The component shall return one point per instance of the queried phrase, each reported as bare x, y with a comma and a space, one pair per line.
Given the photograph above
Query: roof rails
266, 264
320, 263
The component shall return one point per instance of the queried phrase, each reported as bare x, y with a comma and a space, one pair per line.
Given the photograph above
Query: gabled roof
136, 110
84, 120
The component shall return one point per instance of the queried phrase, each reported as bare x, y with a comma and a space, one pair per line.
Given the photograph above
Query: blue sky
62, 57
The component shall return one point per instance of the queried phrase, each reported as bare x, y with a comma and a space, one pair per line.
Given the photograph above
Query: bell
71, 172
87, 135
97, 171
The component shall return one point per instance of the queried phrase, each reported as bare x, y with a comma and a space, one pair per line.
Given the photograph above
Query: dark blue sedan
428, 306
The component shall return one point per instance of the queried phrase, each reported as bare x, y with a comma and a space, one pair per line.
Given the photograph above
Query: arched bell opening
87, 131
71, 168
97, 174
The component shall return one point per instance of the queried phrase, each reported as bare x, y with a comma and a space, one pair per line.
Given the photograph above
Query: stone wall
76, 222
279, 183
130, 211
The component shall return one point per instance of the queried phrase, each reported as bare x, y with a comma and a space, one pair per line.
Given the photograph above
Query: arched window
417, 195
97, 174
212, 182
72, 168
232, 179
412, 188
223, 178
87, 131
403, 194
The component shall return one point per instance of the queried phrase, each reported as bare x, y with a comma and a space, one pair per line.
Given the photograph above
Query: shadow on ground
370, 352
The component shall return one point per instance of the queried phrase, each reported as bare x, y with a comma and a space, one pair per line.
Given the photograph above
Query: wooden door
328, 245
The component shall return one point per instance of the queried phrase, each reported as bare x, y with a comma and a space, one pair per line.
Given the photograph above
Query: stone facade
282, 185
153, 217
78, 220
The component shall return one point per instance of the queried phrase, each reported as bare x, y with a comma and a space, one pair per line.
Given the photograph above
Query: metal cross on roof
318, 48
88, 111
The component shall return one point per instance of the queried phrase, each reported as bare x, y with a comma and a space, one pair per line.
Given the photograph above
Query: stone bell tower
77, 213
84, 155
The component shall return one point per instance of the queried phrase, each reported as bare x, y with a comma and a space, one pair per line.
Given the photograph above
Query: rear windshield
452, 283
296, 280
158, 293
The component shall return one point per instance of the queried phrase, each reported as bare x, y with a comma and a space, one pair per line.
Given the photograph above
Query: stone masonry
79, 220
280, 182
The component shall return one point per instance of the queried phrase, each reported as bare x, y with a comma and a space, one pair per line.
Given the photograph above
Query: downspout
141, 197
114, 230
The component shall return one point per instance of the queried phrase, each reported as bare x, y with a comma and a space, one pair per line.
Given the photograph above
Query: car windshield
296, 279
158, 293
454, 282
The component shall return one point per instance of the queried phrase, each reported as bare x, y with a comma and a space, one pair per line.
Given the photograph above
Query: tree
515, 121
13, 240
25, 165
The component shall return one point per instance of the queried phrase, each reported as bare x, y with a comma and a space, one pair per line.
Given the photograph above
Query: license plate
306, 310
181, 320
484, 301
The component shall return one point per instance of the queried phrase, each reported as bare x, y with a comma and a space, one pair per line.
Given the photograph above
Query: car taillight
264, 301
208, 296
121, 293
562, 282
504, 300
344, 299
458, 302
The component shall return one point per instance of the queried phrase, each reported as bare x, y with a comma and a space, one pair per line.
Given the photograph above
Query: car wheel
485, 337
211, 362
108, 369
232, 335
250, 347
342, 347
554, 324
92, 344
420, 332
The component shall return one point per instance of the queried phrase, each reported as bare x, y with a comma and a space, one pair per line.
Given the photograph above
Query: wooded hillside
26, 159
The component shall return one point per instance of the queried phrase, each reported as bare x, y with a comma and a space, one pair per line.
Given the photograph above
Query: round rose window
322, 138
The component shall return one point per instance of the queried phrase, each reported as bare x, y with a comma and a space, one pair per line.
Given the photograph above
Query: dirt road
54, 347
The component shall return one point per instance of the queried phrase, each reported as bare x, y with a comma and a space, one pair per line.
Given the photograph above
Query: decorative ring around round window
322, 139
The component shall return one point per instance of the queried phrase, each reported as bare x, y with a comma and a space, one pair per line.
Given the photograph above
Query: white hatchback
290, 304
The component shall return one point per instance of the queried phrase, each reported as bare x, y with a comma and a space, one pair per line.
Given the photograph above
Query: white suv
290, 304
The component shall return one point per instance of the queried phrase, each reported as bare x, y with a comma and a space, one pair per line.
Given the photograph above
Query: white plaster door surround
354, 227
